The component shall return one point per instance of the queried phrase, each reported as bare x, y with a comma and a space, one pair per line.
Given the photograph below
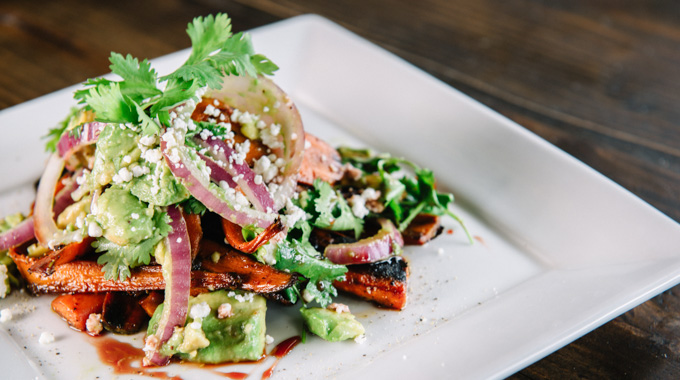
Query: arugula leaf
299, 256
404, 195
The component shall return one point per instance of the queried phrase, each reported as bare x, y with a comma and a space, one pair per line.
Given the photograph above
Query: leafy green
139, 98
405, 195
54, 134
193, 206
118, 260
329, 209
299, 256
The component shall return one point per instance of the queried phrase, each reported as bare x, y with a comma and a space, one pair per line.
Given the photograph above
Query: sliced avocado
159, 186
239, 337
113, 145
124, 218
330, 325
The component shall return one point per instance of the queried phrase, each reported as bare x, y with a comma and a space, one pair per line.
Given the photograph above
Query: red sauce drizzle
125, 359
282, 349
449, 231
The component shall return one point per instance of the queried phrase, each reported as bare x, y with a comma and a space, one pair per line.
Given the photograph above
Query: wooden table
598, 79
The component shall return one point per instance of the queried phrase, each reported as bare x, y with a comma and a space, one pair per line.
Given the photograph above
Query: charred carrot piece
47, 263
234, 236
151, 302
253, 274
383, 282
76, 308
195, 231
423, 228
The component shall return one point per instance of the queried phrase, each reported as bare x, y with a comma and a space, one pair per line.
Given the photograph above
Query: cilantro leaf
207, 35
193, 206
139, 79
110, 105
329, 209
300, 257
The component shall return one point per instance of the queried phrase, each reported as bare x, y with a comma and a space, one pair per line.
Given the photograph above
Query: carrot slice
76, 308
234, 235
47, 263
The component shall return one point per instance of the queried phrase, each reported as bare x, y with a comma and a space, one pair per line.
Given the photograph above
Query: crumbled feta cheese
224, 311
134, 215
339, 308
46, 338
127, 159
360, 339
199, 310
5, 315
307, 296
268, 339
179, 240
93, 325
153, 155
148, 140
123, 175
138, 171
94, 230
358, 204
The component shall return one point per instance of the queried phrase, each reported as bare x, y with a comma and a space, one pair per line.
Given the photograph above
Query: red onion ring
198, 185
45, 227
69, 144
177, 276
253, 95
244, 176
377, 247
19, 234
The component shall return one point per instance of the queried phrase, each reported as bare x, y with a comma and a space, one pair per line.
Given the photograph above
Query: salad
184, 203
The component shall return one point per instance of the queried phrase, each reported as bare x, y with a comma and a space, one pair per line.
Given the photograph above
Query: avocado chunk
159, 186
330, 325
114, 144
237, 337
124, 218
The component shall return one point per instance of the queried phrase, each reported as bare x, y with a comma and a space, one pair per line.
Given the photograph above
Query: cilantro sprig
405, 196
141, 97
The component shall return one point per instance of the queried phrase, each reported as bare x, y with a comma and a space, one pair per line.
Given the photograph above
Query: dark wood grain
599, 79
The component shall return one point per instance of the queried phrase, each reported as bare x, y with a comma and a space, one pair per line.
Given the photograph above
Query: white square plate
561, 249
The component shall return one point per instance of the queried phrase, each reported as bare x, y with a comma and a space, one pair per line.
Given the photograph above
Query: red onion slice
177, 276
241, 174
63, 198
19, 234
218, 173
198, 185
45, 227
261, 96
377, 247
69, 144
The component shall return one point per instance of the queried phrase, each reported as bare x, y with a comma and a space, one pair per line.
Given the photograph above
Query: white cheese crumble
247, 297
6, 315
199, 310
338, 308
134, 215
93, 325
46, 338
268, 339
224, 311
360, 339
94, 230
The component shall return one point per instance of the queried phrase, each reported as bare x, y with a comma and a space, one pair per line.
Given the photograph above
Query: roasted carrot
383, 282
255, 276
195, 231
319, 161
47, 263
423, 228
151, 302
234, 236
76, 308
83, 276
